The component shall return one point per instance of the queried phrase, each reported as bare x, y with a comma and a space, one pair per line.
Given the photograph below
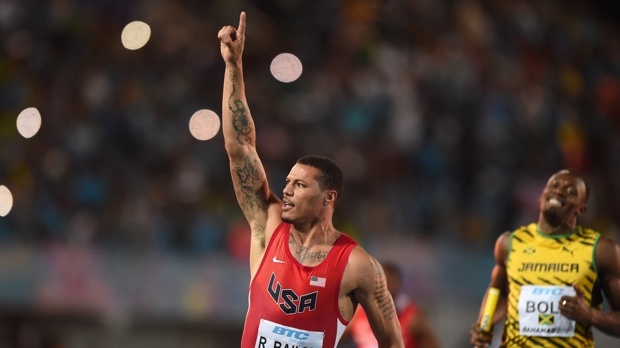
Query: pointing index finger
241, 28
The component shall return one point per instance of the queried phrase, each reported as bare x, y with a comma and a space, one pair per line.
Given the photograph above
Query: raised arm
248, 175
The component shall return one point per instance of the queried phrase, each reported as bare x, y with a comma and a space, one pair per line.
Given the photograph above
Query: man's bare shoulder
359, 257
361, 267
608, 256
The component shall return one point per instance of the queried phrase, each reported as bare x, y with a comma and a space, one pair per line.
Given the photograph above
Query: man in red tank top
306, 277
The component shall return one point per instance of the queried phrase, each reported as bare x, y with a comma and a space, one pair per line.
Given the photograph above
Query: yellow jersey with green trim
541, 268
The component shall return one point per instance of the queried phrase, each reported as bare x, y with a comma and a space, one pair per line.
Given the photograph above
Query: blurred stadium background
447, 116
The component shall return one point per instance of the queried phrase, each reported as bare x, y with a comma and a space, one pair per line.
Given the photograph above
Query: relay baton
489, 309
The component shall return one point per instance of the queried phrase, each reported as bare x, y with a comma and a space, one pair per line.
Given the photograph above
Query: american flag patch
317, 281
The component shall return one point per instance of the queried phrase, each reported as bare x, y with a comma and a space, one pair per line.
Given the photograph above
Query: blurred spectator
447, 112
452, 114
417, 333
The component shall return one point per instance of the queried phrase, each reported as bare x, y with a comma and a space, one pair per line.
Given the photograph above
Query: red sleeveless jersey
292, 305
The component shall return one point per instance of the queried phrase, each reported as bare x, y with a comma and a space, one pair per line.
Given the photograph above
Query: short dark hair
331, 177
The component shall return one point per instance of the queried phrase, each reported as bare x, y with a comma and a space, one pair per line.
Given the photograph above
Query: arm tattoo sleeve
240, 118
382, 296
248, 176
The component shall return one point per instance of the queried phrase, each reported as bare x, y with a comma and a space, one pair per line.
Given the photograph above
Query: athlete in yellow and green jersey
541, 268
554, 275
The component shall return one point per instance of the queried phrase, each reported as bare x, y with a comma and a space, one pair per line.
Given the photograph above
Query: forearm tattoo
240, 119
302, 253
248, 178
382, 295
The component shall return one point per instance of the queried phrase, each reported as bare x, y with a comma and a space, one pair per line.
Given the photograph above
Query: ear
330, 197
582, 209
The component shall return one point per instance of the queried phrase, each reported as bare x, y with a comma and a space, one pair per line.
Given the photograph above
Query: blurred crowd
447, 116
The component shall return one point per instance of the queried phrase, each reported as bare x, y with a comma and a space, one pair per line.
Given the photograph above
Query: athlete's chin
286, 218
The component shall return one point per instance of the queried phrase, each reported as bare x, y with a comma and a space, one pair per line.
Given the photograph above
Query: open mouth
286, 205
554, 202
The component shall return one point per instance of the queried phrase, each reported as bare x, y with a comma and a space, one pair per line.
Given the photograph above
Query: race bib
273, 335
539, 311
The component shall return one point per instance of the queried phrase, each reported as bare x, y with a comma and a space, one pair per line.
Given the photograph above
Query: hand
576, 307
480, 338
232, 41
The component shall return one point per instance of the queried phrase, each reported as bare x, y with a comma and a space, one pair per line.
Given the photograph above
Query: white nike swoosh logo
277, 261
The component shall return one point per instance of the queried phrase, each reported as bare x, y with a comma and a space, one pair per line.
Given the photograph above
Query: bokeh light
135, 35
29, 122
6, 201
286, 67
204, 124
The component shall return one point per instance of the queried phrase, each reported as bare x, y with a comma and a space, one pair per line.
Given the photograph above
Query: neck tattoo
303, 253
